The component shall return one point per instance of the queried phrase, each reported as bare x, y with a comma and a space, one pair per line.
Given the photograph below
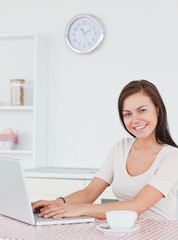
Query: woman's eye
142, 110
126, 114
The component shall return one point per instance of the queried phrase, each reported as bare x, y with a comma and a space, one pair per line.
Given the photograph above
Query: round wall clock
84, 33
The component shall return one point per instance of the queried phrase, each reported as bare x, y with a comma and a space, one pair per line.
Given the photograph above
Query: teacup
121, 219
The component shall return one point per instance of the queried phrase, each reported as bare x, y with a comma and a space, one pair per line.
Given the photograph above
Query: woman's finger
38, 204
50, 209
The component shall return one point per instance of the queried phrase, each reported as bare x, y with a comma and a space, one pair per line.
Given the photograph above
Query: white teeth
137, 128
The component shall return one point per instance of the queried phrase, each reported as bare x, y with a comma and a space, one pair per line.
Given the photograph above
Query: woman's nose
135, 118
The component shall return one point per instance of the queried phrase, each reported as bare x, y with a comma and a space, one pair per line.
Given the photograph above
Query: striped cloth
149, 230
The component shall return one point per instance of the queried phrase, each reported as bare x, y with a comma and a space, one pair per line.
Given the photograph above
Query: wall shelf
16, 152
16, 108
25, 56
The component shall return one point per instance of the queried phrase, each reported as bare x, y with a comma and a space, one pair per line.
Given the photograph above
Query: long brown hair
162, 129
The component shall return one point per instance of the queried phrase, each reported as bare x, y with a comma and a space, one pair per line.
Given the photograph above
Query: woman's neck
147, 145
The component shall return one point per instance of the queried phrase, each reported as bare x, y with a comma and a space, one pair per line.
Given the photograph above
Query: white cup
121, 219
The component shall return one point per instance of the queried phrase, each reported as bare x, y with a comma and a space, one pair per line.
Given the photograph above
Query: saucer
105, 228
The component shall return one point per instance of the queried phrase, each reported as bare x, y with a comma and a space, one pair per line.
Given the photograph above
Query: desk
149, 230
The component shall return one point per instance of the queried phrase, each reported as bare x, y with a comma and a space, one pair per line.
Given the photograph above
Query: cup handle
136, 215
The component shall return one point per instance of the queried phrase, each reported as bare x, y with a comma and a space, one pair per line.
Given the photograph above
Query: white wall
141, 41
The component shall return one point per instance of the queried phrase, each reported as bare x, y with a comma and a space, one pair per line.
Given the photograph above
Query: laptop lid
15, 200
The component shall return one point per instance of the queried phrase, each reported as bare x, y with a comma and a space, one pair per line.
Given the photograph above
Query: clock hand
82, 31
87, 31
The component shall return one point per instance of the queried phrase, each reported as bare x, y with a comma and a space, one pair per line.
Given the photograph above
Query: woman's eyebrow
142, 106
125, 111
137, 108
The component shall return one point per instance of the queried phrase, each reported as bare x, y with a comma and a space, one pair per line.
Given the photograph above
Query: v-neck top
162, 175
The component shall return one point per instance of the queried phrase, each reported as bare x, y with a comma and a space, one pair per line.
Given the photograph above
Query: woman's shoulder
169, 150
120, 148
126, 141
123, 144
168, 157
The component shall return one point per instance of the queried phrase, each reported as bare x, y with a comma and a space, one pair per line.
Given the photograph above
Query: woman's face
140, 115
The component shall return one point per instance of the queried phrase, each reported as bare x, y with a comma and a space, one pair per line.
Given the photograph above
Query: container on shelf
8, 139
17, 92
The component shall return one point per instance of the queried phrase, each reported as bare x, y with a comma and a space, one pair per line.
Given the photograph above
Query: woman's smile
139, 128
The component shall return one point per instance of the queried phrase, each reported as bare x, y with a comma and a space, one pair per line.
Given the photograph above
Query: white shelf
16, 151
16, 108
25, 56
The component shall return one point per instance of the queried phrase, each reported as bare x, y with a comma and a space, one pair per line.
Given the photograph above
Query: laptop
15, 199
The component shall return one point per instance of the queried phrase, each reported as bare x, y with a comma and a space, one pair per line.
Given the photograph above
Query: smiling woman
149, 91
141, 169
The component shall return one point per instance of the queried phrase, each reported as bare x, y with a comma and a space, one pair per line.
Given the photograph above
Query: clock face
84, 33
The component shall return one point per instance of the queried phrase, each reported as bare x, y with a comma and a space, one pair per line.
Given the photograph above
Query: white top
162, 175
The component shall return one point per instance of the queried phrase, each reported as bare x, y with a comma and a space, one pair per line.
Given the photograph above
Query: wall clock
84, 33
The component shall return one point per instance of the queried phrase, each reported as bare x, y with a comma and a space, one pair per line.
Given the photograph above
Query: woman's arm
86, 195
146, 198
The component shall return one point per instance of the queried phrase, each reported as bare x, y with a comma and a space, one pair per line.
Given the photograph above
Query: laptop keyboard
41, 219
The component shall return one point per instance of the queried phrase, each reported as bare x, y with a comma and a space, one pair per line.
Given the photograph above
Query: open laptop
15, 200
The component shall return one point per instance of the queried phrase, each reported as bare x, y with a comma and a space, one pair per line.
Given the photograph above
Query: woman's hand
58, 210
39, 205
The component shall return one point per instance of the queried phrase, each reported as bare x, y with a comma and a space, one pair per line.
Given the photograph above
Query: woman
143, 170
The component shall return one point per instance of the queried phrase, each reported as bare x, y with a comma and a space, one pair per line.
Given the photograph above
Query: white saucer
105, 228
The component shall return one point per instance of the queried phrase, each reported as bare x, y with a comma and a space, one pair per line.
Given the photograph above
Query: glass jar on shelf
17, 92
